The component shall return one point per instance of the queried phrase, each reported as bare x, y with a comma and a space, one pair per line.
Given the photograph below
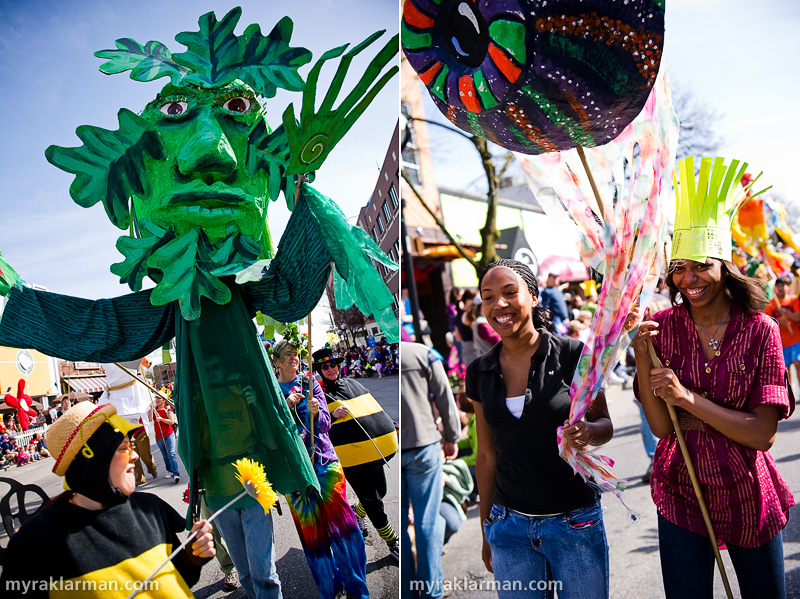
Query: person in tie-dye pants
326, 523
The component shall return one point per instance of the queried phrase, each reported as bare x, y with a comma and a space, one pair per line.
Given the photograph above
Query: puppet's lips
210, 198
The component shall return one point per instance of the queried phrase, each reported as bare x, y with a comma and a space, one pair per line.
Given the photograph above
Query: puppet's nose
207, 154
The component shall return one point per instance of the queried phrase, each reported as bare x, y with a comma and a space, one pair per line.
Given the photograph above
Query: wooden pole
595, 191
311, 391
693, 476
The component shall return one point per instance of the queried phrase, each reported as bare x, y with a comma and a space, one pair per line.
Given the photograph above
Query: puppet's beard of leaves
182, 265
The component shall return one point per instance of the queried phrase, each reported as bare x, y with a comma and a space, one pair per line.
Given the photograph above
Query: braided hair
540, 316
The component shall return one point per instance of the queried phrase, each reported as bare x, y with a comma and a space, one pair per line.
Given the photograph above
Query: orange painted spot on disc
503, 62
428, 76
413, 16
466, 90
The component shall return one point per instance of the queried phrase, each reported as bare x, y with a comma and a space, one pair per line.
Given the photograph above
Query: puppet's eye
174, 108
238, 104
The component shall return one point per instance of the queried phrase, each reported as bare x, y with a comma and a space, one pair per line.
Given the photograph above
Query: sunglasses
129, 450
328, 366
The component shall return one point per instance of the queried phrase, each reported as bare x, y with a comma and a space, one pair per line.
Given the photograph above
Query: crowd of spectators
357, 362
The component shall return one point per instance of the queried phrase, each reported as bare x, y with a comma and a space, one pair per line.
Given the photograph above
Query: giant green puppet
190, 179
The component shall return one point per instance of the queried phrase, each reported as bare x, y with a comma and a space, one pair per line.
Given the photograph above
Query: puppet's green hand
8, 276
314, 136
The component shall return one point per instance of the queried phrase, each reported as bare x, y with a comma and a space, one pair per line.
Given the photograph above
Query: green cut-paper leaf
268, 151
351, 256
133, 269
372, 249
236, 249
216, 56
212, 50
269, 62
109, 166
312, 138
186, 263
8, 276
146, 63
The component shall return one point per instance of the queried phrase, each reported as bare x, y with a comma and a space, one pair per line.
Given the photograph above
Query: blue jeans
648, 438
533, 556
421, 486
167, 447
759, 570
248, 534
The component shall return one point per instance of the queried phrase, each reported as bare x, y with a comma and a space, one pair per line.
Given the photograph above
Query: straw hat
69, 433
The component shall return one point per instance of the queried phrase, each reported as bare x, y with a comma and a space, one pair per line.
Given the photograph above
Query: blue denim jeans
648, 438
421, 487
248, 534
687, 565
534, 556
167, 447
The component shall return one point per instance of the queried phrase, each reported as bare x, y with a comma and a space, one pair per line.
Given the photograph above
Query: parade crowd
723, 339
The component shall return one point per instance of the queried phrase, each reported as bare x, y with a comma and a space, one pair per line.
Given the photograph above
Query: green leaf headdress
706, 208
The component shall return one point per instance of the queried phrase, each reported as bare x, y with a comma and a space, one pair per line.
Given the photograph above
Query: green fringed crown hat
706, 207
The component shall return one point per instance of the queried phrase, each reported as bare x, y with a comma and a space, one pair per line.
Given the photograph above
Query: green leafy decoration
108, 167
137, 251
235, 252
216, 56
269, 62
291, 332
187, 264
268, 151
212, 51
8, 276
146, 63
359, 283
312, 138
371, 249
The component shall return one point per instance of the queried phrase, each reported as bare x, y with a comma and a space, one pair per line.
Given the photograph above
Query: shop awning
89, 384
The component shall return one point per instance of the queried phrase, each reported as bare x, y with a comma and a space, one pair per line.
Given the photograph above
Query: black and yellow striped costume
100, 554
362, 463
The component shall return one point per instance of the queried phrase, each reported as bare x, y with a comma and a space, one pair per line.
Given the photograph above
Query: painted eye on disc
536, 76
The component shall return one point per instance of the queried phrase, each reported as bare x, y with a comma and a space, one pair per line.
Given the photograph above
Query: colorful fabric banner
632, 174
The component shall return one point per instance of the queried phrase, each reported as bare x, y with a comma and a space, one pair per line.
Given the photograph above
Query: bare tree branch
439, 223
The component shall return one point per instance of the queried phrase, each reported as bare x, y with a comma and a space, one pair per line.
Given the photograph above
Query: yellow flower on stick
254, 480
251, 474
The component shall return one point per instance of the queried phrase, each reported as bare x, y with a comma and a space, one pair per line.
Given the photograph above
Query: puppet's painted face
204, 181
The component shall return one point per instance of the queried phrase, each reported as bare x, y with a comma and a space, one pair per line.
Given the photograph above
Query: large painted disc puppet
546, 79
536, 76
189, 180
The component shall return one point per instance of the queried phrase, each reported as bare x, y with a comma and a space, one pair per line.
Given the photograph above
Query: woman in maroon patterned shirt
724, 373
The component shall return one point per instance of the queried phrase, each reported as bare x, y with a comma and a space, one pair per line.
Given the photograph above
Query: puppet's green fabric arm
353, 252
105, 330
316, 236
294, 281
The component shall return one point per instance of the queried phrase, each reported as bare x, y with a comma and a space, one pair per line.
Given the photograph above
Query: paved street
296, 580
634, 562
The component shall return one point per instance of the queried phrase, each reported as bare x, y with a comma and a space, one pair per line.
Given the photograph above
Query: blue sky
50, 84
739, 57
